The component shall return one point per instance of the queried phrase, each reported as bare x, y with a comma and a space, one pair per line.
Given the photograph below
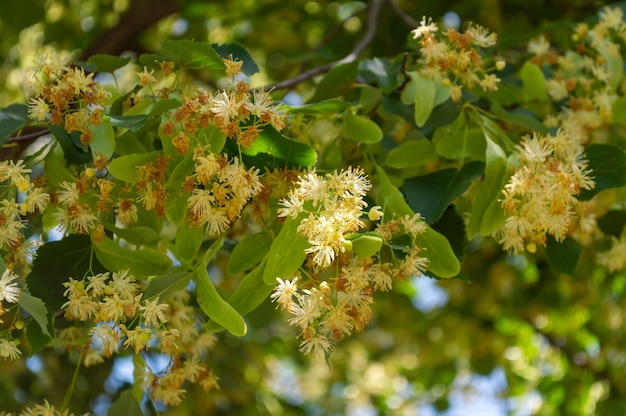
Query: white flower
8, 288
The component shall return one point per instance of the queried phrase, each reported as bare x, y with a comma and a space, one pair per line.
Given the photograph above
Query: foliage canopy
201, 202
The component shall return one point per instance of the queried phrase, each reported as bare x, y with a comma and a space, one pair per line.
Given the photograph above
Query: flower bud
375, 213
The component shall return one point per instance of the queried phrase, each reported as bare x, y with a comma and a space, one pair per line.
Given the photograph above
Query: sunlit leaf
410, 153
361, 129
248, 252
287, 252
215, 307
125, 167
36, 308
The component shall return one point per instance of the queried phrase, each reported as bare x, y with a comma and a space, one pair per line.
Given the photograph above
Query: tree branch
140, 15
372, 23
408, 20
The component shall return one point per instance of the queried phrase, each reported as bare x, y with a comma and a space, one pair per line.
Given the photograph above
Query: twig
372, 21
28, 136
408, 20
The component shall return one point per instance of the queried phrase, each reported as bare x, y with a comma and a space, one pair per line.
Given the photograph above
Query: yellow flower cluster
327, 311
110, 301
58, 87
119, 317
239, 113
540, 197
220, 190
45, 409
456, 60
14, 180
334, 204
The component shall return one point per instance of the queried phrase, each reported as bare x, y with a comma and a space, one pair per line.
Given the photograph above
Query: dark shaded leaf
431, 194
107, 63
188, 54
563, 256
608, 164
55, 263
336, 81
237, 51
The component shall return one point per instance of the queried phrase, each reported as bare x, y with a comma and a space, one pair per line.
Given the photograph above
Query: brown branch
140, 15
408, 20
372, 22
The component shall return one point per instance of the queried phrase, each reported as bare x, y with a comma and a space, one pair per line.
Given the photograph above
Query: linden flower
284, 293
539, 46
9, 290
152, 313
337, 201
38, 109
8, 349
424, 27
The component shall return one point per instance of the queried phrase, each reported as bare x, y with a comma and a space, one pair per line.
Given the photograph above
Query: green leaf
215, 307
534, 82
164, 285
140, 263
431, 194
103, 141
458, 140
124, 168
274, 150
287, 253
248, 252
237, 51
615, 63
74, 155
366, 245
188, 241
12, 118
138, 235
452, 226
36, 338
519, 117
55, 170
410, 154
361, 129
139, 375
608, 165
330, 106
179, 174
619, 110
132, 122
55, 263
336, 81
36, 308
389, 197
424, 98
442, 261
211, 136
189, 54
107, 63
489, 190
563, 256
125, 405
176, 208
383, 70
251, 292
